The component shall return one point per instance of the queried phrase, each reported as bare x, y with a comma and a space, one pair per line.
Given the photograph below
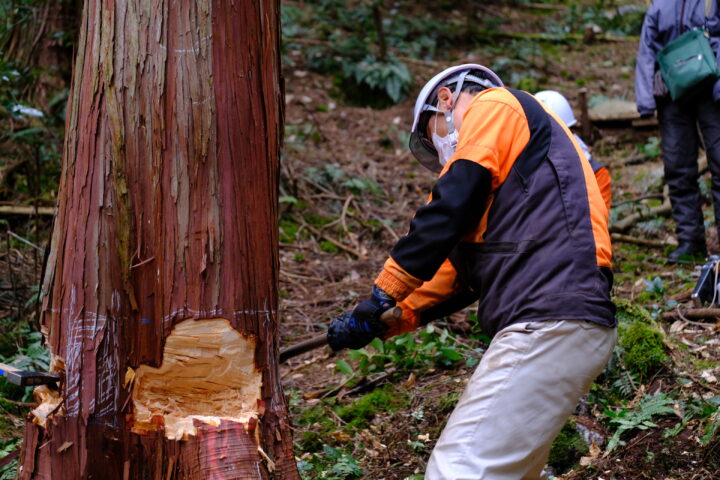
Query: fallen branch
637, 159
26, 210
694, 314
637, 241
369, 384
638, 199
631, 220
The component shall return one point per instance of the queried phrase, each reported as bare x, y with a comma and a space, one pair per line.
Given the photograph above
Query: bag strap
708, 7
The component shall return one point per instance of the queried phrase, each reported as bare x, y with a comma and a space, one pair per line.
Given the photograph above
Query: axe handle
388, 316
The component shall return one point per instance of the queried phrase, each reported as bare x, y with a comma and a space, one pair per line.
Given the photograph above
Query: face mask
445, 146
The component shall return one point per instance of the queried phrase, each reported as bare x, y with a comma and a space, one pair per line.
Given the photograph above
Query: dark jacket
520, 216
665, 21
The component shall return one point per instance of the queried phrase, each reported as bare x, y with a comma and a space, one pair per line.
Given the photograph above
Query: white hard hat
420, 145
558, 104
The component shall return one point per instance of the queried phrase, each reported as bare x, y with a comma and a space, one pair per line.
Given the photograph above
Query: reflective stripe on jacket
521, 218
664, 21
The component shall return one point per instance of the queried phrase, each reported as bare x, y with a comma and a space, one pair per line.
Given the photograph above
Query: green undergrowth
362, 411
429, 347
325, 428
641, 342
567, 449
330, 464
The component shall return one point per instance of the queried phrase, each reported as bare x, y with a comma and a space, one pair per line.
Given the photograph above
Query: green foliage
651, 149
615, 20
655, 286
334, 177
428, 347
288, 231
448, 401
518, 69
345, 42
626, 384
639, 418
33, 357
374, 82
568, 448
331, 464
329, 247
697, 409
363, 410
9, 471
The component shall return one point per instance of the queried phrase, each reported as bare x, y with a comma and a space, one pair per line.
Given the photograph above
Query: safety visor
421, 146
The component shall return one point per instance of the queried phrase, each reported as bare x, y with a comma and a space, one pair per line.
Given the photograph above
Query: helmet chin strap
448, 113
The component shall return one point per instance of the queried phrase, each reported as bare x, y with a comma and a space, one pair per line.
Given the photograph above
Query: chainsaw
388, 317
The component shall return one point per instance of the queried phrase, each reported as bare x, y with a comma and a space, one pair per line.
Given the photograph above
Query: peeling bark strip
160, 295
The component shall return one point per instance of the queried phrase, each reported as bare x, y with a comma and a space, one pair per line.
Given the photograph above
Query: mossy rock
567, 449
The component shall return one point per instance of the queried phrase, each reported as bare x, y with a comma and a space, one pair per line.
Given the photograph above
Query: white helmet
558, 104
420, 145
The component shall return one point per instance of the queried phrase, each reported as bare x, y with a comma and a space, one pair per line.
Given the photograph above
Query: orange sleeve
604, 181
441, 287
395, 281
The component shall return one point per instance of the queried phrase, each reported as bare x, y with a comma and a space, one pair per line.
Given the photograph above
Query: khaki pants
518, 400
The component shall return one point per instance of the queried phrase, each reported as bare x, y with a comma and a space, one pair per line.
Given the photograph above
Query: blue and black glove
358, 328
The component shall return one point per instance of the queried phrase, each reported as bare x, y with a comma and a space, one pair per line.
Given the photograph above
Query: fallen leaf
709, 377
340, 436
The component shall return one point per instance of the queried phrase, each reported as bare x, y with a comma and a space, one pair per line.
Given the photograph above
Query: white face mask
446, 145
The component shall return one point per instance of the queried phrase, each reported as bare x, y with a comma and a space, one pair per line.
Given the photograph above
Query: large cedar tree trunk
160, 294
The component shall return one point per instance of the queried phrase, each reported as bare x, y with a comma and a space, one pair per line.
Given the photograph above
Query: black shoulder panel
540, 133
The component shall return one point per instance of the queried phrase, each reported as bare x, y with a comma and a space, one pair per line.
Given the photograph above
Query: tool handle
388, 316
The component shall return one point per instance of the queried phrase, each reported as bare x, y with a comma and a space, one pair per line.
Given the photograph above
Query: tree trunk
160, 294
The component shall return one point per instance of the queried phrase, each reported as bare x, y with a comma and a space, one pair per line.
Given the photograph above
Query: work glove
358, 328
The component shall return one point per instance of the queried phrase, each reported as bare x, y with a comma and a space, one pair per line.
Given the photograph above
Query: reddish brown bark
167, 215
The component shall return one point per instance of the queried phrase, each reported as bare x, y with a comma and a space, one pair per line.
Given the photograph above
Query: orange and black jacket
515, 221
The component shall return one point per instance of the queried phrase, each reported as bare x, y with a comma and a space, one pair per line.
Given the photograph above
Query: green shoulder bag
687, 62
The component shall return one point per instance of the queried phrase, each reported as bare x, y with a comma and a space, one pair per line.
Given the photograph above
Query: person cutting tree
515, 221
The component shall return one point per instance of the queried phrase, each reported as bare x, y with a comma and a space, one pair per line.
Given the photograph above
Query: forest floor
349, 187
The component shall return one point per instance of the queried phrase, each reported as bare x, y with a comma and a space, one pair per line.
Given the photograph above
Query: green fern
625, 384
641, 417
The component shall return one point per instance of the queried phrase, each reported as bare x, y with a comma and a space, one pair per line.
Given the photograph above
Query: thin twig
638, 199
638, 241
330, 239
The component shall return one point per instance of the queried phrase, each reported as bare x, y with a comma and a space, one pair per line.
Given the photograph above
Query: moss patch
641, 341
567, 449
360, 412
